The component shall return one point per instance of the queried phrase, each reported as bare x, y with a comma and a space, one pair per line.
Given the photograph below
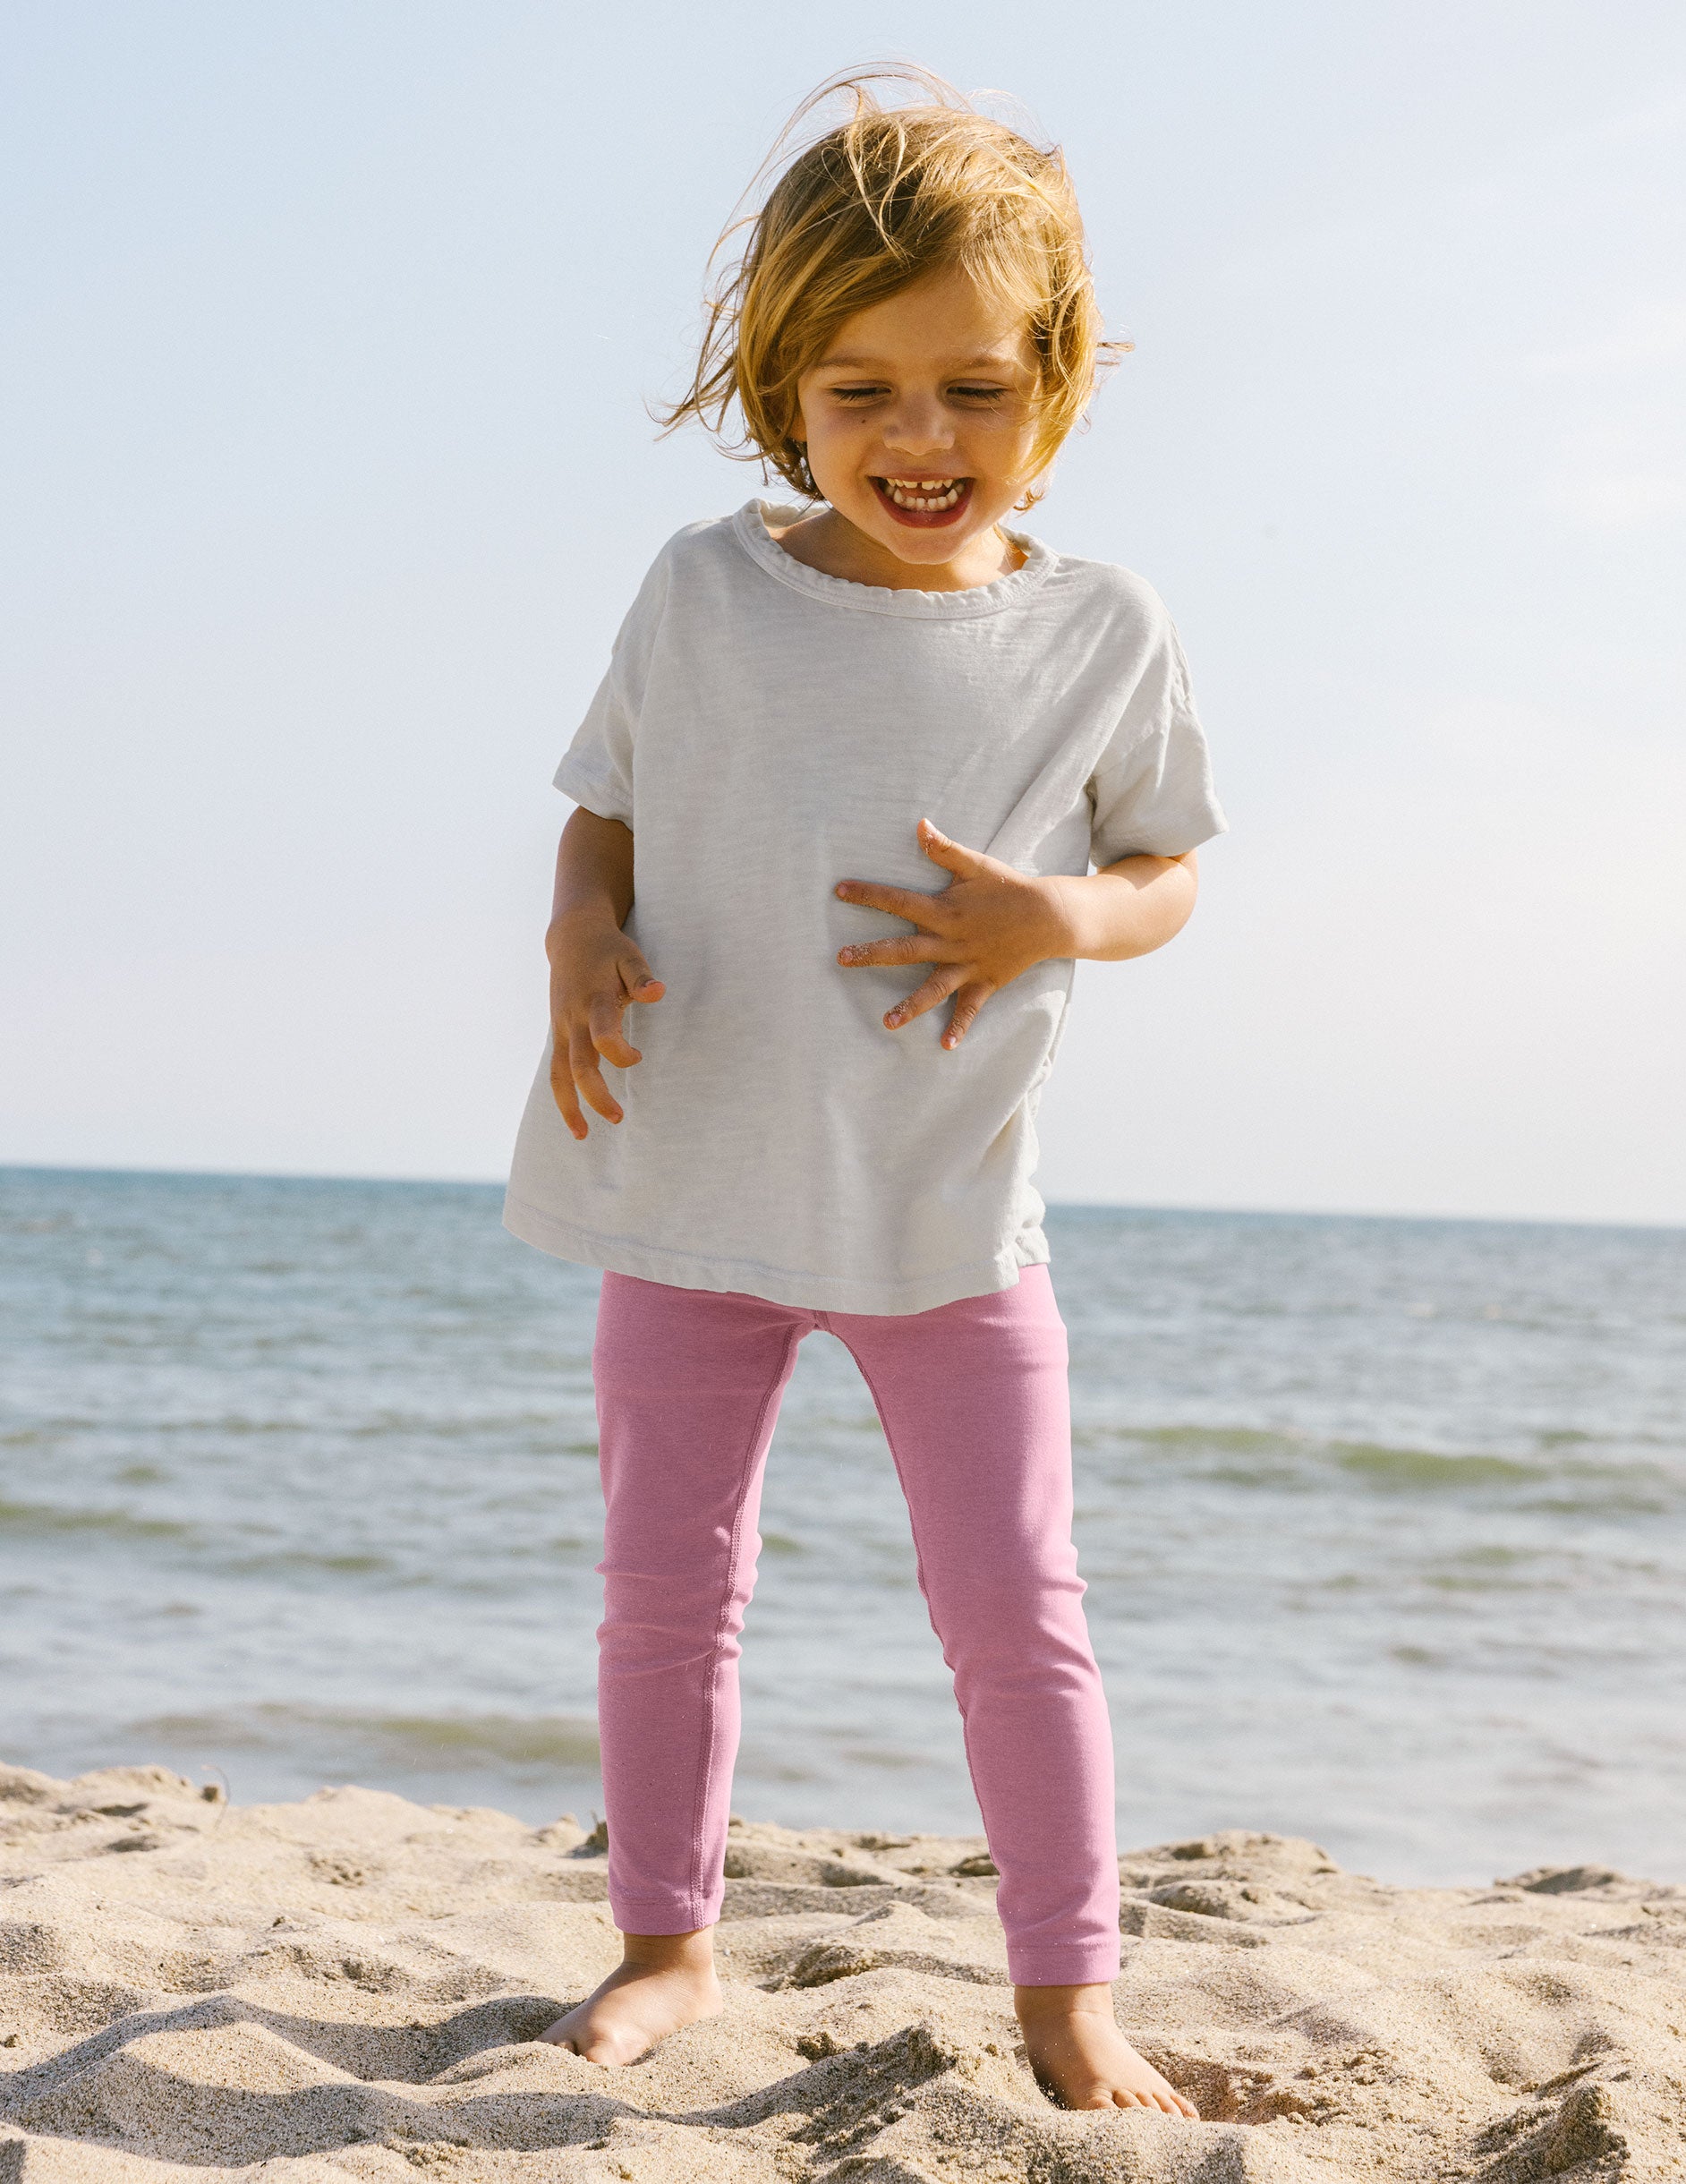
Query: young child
852, 761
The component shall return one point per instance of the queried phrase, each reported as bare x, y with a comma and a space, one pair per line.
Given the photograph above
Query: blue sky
327, 335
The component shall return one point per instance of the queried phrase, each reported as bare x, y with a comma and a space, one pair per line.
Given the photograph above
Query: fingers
603, 1014
968, 1001
918, 909
969, 996
937, 987
603, 1031
588, 1076
573, 1069
587, 1028
636, 979
563, 1093
911, 902
952, 856
906, 948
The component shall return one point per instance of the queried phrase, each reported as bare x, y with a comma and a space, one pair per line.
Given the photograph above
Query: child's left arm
992, 922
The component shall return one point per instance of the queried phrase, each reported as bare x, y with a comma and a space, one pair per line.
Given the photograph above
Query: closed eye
967, 392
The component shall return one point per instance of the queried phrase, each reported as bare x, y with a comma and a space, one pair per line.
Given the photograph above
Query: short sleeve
1150, 794
597, 770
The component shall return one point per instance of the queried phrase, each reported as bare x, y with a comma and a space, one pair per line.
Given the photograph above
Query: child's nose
919, 426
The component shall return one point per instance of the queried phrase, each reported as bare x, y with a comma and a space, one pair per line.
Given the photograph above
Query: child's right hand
595, 972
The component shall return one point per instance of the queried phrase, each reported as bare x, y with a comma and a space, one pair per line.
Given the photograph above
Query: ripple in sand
352, 1985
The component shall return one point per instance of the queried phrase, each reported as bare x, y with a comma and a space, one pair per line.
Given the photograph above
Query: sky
328, 331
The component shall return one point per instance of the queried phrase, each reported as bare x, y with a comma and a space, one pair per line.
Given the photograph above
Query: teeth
927, 495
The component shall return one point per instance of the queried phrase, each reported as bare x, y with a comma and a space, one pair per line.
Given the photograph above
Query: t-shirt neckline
750, 526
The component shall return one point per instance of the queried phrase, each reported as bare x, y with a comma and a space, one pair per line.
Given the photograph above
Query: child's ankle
1042, 2003
669, 1952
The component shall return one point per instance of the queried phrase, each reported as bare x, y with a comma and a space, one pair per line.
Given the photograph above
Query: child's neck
836, 546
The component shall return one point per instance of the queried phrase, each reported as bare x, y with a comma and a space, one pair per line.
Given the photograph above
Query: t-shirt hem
815, 1292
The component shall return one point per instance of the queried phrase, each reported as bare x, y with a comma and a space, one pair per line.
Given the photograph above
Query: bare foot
1078, 2054
664, 1981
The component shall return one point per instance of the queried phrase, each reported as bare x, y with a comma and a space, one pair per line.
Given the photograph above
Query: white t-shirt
767, 731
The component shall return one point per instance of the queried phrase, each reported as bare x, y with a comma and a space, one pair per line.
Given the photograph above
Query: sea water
1383, 1522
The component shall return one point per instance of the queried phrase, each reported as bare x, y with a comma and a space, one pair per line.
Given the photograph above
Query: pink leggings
973, 1398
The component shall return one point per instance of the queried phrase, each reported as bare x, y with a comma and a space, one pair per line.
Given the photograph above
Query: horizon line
1144, 1206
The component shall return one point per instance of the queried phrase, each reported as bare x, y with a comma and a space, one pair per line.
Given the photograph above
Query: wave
1563, 1475
41, 1519
284, 1559
1427, 1467
523, 1742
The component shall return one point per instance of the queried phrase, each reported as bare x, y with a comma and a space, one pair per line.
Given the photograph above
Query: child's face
919, 419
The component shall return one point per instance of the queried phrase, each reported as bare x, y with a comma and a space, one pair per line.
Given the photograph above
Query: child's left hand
986, 926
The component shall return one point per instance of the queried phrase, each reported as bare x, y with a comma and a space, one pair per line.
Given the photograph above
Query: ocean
1384, 1522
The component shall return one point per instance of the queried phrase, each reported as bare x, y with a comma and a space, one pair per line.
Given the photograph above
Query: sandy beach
350, 1985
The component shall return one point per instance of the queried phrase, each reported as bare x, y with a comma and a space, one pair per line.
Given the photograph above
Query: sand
349, 1987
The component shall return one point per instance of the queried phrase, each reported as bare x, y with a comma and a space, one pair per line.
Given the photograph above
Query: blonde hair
895, 193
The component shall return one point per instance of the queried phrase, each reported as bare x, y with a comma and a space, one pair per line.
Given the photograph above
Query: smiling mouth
924, 501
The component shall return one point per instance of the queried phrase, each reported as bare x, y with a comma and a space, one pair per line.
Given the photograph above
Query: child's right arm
595, 970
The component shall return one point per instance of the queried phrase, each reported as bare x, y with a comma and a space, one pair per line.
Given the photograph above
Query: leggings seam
901, 1479
706, 1757
919, 1564
918, 1551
